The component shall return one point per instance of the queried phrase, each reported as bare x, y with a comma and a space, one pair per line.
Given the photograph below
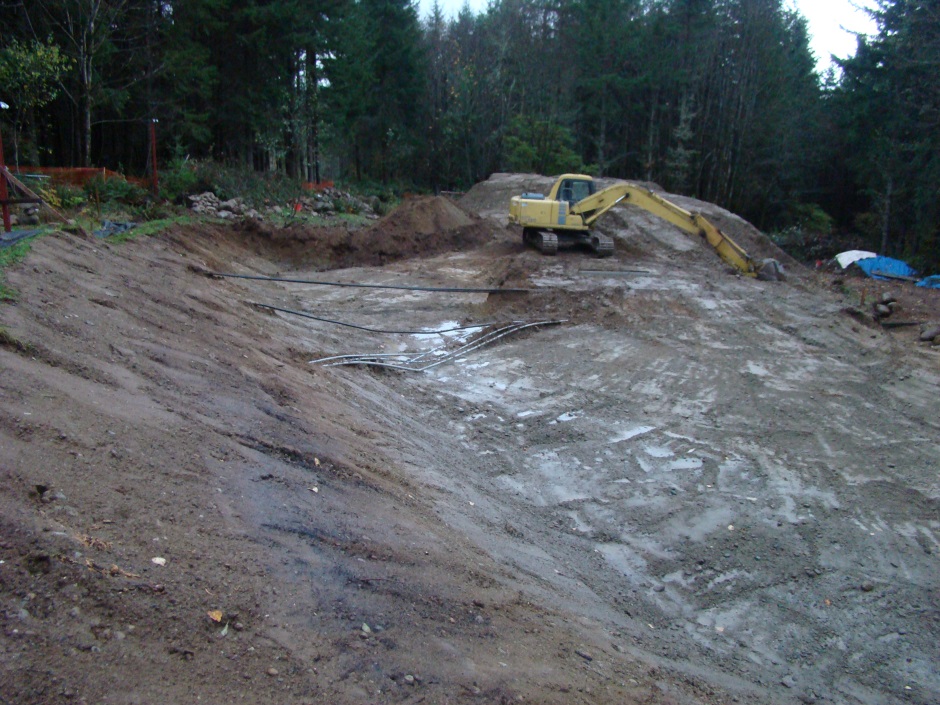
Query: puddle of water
756, 369
624, 560
632, 433
443, 331
658, 452
579, 523
685, 464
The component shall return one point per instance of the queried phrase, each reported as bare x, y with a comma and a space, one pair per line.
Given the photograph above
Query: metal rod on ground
411, 357
463, 350
418, 357
440, 289
616, 271
304, 314
454, 355
476, 346
901, 324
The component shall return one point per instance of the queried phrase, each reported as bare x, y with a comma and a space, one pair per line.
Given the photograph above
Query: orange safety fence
317, 186
77, 176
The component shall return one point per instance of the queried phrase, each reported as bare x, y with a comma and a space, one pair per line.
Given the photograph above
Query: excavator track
602, 245
544, 242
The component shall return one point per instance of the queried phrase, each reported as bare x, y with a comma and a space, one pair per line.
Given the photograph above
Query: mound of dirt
490, 198
423, 215
297, 244
419, 227
638, 231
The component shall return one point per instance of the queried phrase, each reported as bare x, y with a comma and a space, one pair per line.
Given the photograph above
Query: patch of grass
354, 219
334, 220
8, 257
149, 228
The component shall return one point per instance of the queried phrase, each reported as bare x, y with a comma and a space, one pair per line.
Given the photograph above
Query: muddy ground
684, 487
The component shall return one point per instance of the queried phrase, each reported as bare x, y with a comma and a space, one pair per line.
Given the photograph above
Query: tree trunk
650, 138
886, 215
602, 136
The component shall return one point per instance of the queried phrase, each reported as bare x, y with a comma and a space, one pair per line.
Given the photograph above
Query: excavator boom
593, 207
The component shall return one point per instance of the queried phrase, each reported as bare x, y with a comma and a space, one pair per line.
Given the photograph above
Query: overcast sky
828, 22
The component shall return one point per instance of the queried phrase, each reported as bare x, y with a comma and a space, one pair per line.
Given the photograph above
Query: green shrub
255, 188
181, 178
115, 190
70, 197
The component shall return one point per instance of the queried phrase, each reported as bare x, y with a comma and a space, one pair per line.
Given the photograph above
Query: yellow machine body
574, 205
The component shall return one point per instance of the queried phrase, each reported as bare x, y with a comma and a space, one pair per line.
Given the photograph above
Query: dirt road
695, 488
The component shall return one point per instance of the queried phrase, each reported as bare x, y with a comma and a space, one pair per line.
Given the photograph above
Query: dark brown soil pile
419, 227
297, 244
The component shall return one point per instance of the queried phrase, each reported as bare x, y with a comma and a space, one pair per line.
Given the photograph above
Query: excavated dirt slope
691, 488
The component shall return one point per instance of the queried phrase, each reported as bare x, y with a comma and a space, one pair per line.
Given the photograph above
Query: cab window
573, 190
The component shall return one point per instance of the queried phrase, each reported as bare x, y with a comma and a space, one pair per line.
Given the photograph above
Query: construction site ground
685, 486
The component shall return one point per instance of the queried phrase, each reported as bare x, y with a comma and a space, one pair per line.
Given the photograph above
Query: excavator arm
595, 205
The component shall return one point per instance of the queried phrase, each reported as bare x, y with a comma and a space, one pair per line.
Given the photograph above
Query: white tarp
846, 258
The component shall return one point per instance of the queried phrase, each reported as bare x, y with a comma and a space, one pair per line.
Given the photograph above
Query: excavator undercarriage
547, 242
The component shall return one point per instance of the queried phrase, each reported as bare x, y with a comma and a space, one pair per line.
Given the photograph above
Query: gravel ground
691, 488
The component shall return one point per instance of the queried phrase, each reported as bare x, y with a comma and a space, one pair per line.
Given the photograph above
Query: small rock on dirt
930, 333
771, 270
272, 671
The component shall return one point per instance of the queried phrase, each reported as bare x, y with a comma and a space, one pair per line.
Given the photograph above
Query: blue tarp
109, 228
11, 238
930, 282
872, 266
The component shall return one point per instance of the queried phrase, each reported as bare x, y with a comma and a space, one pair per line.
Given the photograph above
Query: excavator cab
574, 190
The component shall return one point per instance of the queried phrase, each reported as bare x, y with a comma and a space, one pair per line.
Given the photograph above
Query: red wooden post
155, 184
4, 194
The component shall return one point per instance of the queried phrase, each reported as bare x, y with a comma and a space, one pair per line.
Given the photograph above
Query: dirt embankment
657, 502
189, 511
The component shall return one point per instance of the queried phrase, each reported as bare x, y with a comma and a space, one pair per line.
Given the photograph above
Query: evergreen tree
888, 104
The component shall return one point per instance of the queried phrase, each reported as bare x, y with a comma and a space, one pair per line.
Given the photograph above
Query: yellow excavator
570, 210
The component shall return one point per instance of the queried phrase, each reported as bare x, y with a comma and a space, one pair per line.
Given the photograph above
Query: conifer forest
718, 99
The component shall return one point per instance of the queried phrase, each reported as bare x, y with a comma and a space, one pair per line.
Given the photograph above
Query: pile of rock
209, 204
930, 333
327, 202
885, 306
330, 201
28, 215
